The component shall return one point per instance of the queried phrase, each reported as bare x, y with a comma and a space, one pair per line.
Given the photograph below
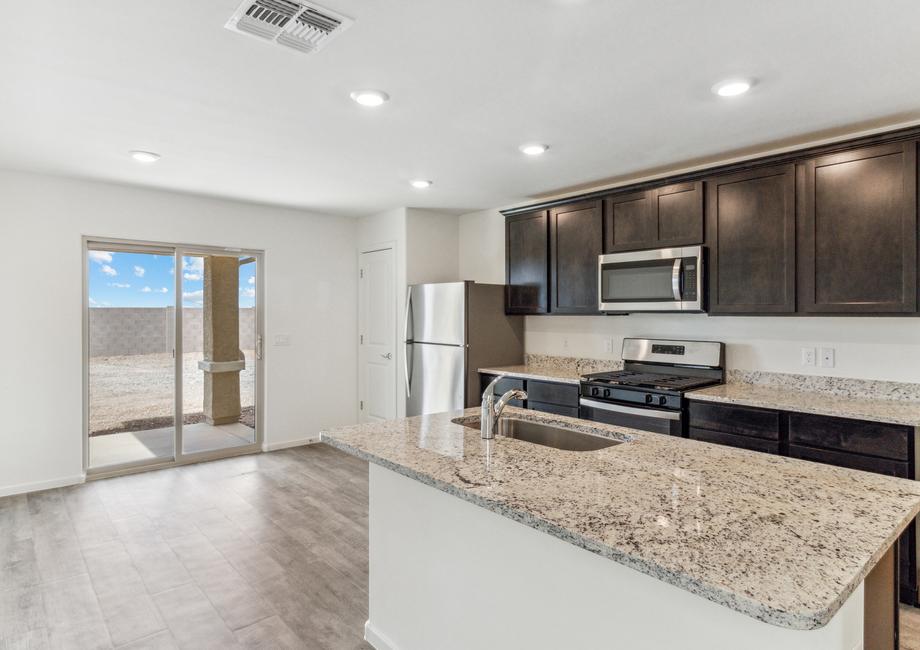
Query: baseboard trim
287, 444
376, 638
38, 486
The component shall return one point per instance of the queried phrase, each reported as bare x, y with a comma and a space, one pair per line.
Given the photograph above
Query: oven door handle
675, 278
630, 410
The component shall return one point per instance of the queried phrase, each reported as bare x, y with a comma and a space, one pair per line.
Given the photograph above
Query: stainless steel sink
547, 434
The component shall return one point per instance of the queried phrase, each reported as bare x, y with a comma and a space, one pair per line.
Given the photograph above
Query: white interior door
377, 336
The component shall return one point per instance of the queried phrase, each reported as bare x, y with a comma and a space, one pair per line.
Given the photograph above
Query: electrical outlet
808, 356
565, 343
827, 357
608, 346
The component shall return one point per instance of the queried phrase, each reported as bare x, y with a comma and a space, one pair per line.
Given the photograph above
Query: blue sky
147, 280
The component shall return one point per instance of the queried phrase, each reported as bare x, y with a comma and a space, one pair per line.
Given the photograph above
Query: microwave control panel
689, 280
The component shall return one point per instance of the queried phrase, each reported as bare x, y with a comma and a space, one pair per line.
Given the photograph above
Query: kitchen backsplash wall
868, 348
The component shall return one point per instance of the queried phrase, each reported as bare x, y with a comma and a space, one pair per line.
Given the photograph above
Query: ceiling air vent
301, 26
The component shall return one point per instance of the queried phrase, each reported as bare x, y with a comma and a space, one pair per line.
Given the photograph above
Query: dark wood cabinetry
735, 426
547, 396
527, 263
858, 231
656, 218
502, 387
576, 234
750, 224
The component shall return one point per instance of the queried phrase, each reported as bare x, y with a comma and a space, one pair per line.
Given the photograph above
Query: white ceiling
614, 86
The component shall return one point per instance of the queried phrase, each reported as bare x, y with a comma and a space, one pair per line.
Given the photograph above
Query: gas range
648, 392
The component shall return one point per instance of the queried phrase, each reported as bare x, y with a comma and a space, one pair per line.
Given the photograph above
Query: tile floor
263, 551
118, 448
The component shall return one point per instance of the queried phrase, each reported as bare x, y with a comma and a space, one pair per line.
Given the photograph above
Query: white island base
446, 574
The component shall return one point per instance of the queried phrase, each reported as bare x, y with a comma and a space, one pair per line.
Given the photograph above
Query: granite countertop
782, 540
791, 398
566, 370
541, 373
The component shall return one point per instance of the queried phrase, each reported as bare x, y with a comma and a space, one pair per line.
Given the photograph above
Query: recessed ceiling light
420, 184
533, 149
144, 156
731, 87
370, 98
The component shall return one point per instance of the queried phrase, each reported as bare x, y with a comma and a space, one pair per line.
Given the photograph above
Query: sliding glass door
172, 354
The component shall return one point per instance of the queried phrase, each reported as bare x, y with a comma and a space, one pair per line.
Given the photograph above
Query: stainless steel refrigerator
453, 329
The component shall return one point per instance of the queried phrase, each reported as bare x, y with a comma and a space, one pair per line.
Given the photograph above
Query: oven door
667, 279
644, 419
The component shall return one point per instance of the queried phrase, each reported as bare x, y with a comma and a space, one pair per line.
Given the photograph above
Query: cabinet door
858, 232
526, 263
576, 236
628, 223
750, 222
679, 210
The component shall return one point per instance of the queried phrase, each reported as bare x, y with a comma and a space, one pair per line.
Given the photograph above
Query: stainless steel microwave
665, 279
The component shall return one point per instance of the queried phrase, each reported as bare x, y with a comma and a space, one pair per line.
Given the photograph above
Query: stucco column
222, 359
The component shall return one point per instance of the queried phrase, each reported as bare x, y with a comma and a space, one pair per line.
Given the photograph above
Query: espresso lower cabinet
503, 386
547, 396
855, 444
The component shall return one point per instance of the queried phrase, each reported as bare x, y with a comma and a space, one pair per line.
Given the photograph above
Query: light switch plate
282, 339
808, 356
828, 357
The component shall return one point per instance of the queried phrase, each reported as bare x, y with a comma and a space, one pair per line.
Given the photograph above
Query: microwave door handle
675, 279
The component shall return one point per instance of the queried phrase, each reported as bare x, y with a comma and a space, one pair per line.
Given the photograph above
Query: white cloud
193, 294
119, 285
108, 270
248, 293
163, 290
100, 257
193, 264
146, 290
139, 271
252, 279
191, 276
93, 303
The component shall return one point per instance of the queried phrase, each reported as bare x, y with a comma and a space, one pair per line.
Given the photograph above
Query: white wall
870, 348
310, 294
432, 250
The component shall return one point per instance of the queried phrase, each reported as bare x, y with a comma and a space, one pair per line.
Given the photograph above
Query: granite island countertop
782, 540
874, 401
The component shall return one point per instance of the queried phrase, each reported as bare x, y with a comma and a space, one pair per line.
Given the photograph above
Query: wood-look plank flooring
262, 551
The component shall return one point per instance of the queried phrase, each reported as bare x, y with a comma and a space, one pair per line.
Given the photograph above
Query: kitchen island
657, 542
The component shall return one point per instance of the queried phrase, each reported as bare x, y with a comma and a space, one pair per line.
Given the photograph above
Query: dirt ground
134, 393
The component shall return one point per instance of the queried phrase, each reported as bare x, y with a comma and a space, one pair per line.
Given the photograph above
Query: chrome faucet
492, 411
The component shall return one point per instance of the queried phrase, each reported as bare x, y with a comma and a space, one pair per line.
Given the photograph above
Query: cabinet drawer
732, 440
571, 411
551, 393
738, 420
851, 461
851, 436
506, 384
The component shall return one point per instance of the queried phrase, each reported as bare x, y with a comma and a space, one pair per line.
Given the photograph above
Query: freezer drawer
435, 378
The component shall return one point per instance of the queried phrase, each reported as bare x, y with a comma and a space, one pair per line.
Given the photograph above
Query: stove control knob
606, 392
648, 399
662, 400
595, 391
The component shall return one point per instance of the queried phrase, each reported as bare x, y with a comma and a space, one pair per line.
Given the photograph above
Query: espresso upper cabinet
858, 231
750, 228
527, 263
657, 218
576, 235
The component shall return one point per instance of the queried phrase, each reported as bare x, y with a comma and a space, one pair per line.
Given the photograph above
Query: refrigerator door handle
408, 313
408, 376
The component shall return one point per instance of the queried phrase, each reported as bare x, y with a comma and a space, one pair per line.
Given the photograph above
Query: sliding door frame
178, 252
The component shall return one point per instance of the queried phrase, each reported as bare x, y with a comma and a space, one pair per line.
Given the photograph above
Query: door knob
388, 355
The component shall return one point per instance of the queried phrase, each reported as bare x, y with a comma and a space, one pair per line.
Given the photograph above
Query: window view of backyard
132, 371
